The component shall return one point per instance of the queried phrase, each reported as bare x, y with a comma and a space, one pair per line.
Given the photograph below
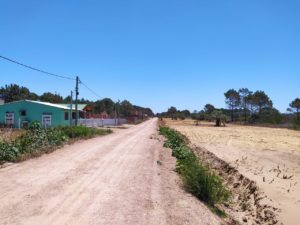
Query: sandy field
123, 178
268, 156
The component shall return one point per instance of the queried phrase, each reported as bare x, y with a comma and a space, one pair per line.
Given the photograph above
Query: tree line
251, 107
243, 106
14, 92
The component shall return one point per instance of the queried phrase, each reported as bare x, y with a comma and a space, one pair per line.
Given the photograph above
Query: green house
21, 113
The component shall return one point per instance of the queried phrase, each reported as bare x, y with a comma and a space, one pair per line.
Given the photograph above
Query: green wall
34, 112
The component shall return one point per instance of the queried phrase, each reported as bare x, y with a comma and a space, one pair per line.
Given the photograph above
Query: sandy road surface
269, 156
107, 180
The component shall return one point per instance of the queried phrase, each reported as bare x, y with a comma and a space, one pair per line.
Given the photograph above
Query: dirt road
123, 178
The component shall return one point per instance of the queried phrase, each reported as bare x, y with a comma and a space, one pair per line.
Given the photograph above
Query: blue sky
155, 53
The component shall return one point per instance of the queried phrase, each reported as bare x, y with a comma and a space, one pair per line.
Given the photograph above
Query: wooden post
76, 101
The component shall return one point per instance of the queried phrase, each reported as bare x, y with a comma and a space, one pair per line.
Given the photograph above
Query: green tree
245, 95
185, 113
67, 99
270, 115
295, 105
209, 108
50, 97
232, 99
261, 100
105, 105
14, 92
126, 108
172, 112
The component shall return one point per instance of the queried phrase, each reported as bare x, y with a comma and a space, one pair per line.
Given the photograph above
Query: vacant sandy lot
269, 156
123, 178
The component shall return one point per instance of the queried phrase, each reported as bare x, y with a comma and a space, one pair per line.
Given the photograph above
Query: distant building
104, 115
21, 113
136, 116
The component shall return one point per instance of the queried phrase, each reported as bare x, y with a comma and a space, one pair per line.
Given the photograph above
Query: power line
51, 74
91, 90
38, 70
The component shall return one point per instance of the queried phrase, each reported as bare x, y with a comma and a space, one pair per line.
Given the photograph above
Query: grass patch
82, 131
197, 178
37, 140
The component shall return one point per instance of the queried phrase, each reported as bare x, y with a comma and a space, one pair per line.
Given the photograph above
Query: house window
66, 115
46, 120
9, 118
23, 113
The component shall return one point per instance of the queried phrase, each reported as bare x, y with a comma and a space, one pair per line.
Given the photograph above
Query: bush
82, 131
37, 140
8, 152
174, 139
197, 177
296, 124
267, 116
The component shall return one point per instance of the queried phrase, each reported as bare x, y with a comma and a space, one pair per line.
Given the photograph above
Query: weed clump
197, 178
38, 140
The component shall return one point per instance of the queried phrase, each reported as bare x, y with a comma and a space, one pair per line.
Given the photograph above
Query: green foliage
296, 124
53, 98
245, 94
82, 131
203, 183
295, 106
233, 100
219, 117
37, 140
174, 139
295, 103
270, 115
208, 109
196, 176
175, 114
35, 125
14, 92
105, 105
8, 152
260, 100
171, 113
125, 108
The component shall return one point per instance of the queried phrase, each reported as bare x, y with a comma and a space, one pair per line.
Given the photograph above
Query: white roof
50, 104
47, 103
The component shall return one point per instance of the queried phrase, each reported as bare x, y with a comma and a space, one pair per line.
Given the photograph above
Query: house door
47, 120
9, 118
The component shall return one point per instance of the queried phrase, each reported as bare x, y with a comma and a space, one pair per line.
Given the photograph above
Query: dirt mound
249, 205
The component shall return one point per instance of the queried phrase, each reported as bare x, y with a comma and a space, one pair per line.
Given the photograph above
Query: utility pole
76, 101
115, 114
71, 107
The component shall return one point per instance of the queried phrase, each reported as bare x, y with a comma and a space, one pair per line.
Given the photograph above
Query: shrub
8, 152
82, 131
197, 177
296, 124
267, 116
37, 140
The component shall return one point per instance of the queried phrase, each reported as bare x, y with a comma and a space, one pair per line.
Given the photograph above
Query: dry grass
10, 134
